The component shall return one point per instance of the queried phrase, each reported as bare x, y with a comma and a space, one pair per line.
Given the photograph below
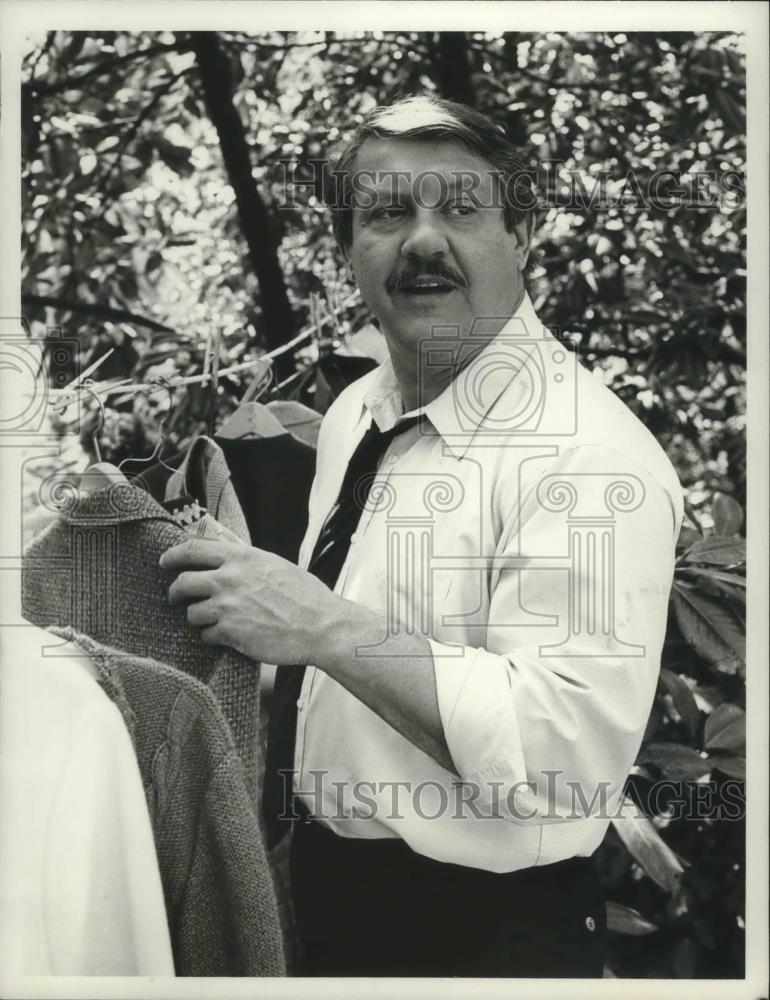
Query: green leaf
709, 627
624, 920
676, 761
173, 155
726, 728
733, 767
716, 551
683, 699
733, 579
731, 113
689, 511
727, 514
720, 585
648, 848
154, 261
687, 538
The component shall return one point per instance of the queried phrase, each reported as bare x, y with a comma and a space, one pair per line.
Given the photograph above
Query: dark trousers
376, 908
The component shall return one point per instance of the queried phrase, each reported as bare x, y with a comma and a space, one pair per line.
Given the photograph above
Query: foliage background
156, 222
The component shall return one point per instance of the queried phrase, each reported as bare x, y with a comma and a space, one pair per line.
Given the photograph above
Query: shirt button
300, 704
353, 538
392, 459
590, 923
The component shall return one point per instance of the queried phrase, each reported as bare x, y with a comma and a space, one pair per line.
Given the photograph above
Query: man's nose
425, 236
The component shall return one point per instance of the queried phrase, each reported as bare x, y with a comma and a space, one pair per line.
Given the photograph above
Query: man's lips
425, 286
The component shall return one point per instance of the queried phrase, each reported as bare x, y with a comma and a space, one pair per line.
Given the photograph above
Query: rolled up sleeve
555, 703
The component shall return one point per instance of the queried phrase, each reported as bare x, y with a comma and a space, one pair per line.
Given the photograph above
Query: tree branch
43, 50
453, 67
94, 309
278, 319
725, 353
33, 88
511, 58
257, 44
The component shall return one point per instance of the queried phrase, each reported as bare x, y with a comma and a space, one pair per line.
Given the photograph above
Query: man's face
429, 245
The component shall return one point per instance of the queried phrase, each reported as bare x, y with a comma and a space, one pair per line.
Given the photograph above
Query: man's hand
270, 610
260, 604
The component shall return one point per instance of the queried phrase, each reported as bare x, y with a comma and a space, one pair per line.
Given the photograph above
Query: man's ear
524, 231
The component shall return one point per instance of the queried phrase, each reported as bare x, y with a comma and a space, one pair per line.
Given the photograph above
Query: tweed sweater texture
96, 570
219, 895
204, 474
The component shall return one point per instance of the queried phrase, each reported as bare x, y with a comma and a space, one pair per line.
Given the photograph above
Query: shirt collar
460, 409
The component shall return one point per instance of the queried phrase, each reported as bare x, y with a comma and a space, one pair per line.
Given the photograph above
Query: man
483, 592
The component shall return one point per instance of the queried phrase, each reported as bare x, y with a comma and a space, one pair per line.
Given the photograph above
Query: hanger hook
267, 384
153, 384
162, 382
88, 385
261, 382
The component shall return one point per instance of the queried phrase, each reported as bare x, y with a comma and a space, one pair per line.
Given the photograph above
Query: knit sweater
219, 896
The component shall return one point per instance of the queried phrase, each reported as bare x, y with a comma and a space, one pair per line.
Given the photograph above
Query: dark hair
424, 117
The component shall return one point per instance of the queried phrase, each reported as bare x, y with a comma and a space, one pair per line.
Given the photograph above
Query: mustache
424, 269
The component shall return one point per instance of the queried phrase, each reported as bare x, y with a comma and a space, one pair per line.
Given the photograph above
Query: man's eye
388, 211
462, 208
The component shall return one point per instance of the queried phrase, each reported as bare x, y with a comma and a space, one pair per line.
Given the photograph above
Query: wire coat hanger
178, 381
261, 382
160, 382
87, 385
214, 386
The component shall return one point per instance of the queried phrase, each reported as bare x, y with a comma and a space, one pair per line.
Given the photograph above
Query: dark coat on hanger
272, 479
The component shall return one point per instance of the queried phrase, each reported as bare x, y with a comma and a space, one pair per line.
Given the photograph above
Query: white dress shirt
527, 529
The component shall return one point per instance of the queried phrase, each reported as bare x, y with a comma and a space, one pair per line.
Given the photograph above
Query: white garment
495, 530
80, 891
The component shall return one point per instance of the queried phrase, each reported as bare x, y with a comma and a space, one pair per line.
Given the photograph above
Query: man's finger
191, 586
213, 636
197, 553
202, 614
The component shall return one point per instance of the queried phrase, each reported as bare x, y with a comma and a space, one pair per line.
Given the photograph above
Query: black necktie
326, 562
